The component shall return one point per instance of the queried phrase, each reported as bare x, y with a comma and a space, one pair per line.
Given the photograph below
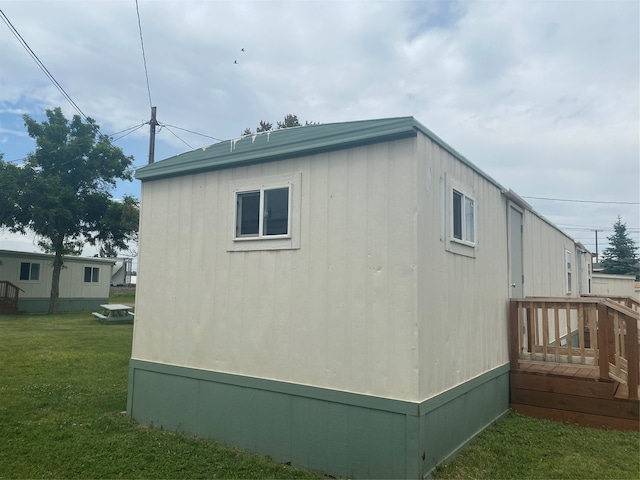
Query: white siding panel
336, 313
463, 299
72, 283
544, 259
603, 284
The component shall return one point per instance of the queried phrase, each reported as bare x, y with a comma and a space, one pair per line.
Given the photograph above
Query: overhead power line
129, 132
49, 75
144, 57
191, 131
135, 127
581, 201
174, 134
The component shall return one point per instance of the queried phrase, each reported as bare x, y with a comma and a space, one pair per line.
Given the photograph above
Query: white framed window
568, 269
458, 217
265, 213
91, 274
463, 217
29, 272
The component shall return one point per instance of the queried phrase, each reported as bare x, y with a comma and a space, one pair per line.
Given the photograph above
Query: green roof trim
292, 142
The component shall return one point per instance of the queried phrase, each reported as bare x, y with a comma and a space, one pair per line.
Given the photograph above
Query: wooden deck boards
571, 393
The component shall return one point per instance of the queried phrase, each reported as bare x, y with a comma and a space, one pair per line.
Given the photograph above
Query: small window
263, 213
567, 255
91, 274
464, 218
29, 271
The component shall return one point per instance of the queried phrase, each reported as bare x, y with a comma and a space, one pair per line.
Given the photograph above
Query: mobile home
84, 282
334, 296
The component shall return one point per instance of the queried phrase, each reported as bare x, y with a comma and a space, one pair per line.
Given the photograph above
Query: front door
516, 269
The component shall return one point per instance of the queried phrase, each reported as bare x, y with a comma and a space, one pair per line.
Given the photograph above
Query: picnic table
114, 313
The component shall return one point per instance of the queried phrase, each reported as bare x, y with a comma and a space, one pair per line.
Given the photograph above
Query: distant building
123, 273
84, 281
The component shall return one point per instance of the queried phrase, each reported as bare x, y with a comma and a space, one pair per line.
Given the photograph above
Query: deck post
631, 341
514, 335
603, 341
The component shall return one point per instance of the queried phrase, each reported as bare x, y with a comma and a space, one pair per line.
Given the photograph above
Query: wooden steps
8, 307
573, 394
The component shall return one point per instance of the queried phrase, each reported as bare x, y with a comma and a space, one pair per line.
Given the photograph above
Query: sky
543, 96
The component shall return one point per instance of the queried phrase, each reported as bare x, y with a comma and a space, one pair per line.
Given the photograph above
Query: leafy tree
621, 256
8, 173
62, 192
290, 120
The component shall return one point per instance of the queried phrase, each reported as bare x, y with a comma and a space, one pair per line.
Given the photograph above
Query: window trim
291, 240
463, 217
93, 270
261, 235
451, 243
568, 271
30, 279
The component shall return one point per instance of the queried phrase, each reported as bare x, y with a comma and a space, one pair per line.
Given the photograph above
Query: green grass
520, 447
122, 296
63, 386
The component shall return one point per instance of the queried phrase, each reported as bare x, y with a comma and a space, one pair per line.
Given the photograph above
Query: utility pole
597, 243
152, 135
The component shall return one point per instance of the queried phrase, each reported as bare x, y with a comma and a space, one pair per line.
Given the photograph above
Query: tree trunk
55, 280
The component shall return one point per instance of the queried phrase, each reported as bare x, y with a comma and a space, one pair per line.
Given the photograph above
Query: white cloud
543, 96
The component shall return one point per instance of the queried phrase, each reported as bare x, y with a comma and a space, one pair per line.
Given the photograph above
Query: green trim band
65, 304
404, 407
340, 433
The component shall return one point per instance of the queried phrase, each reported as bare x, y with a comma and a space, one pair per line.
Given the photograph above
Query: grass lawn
122, 295
520, 447
63, 387
62, 390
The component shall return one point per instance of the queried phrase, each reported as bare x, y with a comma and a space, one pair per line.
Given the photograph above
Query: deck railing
630, 302
586, 331
9, 294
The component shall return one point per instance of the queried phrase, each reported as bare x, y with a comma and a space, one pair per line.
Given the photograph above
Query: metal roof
49, 256
306, 140
293, 142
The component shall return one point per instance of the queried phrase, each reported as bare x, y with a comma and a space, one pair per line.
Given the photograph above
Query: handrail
580, 331
622, 344
630, 302
10, 291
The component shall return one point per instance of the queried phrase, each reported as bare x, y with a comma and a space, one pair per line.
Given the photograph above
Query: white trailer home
84, 282
608, 285
334, 296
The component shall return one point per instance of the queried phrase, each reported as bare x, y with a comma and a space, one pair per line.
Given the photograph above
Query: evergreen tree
621, 256
290, 120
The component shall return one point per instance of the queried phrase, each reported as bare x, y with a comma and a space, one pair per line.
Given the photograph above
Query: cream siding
607, 284
72, 283
544, 260
339, 312
374, 297
462, 299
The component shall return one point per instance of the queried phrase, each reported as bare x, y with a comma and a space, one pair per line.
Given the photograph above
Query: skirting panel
335, 432
41, 304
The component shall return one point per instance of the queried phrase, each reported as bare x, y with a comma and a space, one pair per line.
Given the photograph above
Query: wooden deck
576, 360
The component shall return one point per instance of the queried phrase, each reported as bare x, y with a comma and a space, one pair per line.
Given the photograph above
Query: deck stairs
576, 360
9, 298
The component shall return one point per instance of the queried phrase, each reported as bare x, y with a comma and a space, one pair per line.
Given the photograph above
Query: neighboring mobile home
335, 296
84, 282
609, 285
